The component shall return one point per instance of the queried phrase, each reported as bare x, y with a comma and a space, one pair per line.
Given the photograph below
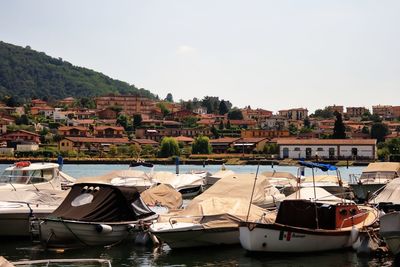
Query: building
20, 136
108, 131
383, 111
73, 131
335, 108
129, 104
294, 113
355, 112
327, 148
259, 115
249, 145
93, 144
157, 134
221, 145
251, 133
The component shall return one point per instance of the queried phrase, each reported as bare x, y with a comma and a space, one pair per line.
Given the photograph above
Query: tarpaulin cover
240, 185
220, 212
391, 193
163, 195
102, 203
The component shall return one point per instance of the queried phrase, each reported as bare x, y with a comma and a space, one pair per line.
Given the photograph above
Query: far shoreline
185, 161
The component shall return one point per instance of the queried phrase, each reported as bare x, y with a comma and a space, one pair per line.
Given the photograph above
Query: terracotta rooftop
224, 140
121, 140
183, 139
145, 141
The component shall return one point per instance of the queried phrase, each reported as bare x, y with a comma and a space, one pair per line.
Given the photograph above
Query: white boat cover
222, 173
322, 196
276, 174
66, 178
219, 212
162, 195
381, 170
391, 193
121, 178
179, 181
240, 185
34, 197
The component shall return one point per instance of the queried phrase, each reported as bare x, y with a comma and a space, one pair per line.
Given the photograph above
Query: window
320, 149
297, 149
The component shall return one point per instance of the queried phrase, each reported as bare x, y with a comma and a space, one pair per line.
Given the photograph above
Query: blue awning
321, 166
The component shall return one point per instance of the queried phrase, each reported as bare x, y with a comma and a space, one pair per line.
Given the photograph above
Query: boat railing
64, 261
171, 222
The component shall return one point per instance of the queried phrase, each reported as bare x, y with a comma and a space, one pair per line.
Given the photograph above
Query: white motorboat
95, 215
213, 178
390, 230
56, 262
209, 222
162, 198
188, 184
285, 182
19, 208
212, 218
374, 178
25, 175
309, 225
331, 183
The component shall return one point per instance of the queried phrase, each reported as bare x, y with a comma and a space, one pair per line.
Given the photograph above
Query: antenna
252, 192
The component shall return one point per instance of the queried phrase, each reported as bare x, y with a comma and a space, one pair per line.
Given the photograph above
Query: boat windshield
17, 176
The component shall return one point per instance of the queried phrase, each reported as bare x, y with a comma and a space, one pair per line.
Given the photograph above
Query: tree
235, 114
169, 147
122, 120
293, 129
201, 145
169, 98
164, 110
223, 108
189, 122
215, 132
339, 130
221, 125
379, 131
307, 123
137, 120
325, 113
365, 130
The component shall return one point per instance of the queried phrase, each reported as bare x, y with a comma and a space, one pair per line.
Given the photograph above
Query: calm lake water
127, 254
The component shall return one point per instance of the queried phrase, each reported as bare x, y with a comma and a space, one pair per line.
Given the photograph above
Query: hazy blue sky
267, 54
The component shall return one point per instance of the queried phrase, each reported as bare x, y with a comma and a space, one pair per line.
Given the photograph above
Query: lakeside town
126, 127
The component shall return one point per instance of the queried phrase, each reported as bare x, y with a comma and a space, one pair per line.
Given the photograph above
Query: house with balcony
108, 131
73, 131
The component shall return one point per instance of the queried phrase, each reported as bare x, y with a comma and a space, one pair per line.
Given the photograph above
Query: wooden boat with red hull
309, 225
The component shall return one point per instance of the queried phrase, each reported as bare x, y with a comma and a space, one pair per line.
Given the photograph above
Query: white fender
104, 228
353, 235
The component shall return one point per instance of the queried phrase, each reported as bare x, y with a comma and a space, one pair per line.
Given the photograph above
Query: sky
267, 54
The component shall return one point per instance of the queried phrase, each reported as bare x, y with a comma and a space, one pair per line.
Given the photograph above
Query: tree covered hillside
27, 74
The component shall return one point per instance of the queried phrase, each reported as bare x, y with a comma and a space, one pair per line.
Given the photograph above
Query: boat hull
390, 231
363, 191
15, 219
186, 237
65, 233
277, 238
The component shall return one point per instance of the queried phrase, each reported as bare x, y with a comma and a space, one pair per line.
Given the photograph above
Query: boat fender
353, 236
143, 238
104, 228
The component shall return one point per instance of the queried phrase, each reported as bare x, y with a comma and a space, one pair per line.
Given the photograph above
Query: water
127, 254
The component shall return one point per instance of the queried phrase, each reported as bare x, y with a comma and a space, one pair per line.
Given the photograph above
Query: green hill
27, 74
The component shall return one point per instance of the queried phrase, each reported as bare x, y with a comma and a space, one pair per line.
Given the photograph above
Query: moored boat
95, 214
309, 225
374, 178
